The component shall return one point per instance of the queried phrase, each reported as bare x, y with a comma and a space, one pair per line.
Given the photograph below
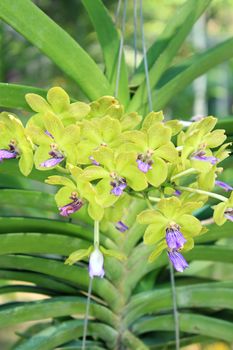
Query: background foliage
133, 305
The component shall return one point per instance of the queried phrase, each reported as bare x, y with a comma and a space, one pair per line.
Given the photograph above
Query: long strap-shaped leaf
51, 39
192, 69
110, 43
50, 308
191, 323
73, 274
40, 280
56, 335
168, 45
207, 295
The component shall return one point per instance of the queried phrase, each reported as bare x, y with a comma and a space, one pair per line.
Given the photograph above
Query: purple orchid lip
178, 261
118, 185
57, 157
144, 161
229, 214
174, 238
8, 154
201, 155
223, 185
120, 226
71, 207
96, 264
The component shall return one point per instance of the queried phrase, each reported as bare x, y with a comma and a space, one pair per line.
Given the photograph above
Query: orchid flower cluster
104, 158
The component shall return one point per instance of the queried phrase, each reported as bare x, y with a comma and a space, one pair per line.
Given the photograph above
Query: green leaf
109, 40
56, 307
61, 333
13, 96
41, 31
169, 44
193, 68
190, 323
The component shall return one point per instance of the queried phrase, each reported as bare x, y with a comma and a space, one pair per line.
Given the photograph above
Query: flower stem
96, 234
206, 193
183, 173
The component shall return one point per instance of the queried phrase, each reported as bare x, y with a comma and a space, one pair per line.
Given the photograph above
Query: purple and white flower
201, 155
178, 261
96, 264
120, 226
223, 185
174, 238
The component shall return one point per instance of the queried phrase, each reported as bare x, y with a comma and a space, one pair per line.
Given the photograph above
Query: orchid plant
110, 155
113, 189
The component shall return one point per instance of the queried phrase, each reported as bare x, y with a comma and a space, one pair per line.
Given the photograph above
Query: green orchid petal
167, 152
104, 197
60, 180
175, 126
189, 225
85, 150
189, 244
62, 197
58, 99
71, 154
110, 128
95, 211
124, 159
155, 232
94, 172
206, 180
189, 207
105, 156
41, 155
215, 138
137, 137
38, 135
78, 110
79, 255
38, 103
218, 216
151, 119
135, 178
149, 216
169, 207
130, 121
54, 125
158, 174
26, 161
158, 135
157, 252
91, 131
70, 135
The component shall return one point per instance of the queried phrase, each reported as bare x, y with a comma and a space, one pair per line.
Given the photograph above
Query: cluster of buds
104, 157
